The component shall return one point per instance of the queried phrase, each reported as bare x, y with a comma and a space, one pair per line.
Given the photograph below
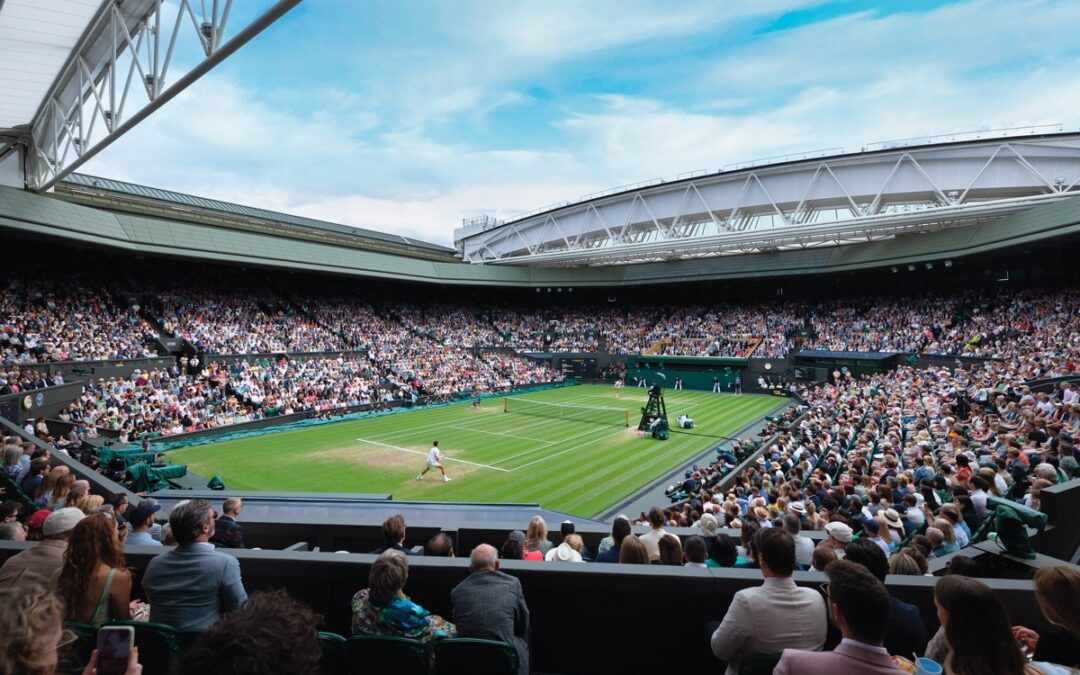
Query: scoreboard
809, 373
578, 367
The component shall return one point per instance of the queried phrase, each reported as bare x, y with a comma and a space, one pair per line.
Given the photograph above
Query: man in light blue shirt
141, 520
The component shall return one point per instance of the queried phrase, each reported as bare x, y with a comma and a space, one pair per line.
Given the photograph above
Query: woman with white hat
892, 528
568, 551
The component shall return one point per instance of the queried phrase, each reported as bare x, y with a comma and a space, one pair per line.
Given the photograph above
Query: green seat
387, 654
759, 664
78, 654
157, 643
187, 637
12, 491
334, 658
470, 656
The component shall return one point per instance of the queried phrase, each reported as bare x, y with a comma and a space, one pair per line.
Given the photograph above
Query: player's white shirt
433, 456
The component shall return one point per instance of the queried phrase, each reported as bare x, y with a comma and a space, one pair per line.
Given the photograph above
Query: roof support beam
84, 94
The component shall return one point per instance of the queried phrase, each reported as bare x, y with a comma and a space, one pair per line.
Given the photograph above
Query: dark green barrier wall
695, 372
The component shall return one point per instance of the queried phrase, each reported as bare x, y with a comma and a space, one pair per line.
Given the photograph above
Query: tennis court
568, 449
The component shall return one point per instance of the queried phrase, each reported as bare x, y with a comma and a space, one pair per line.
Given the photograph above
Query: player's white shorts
433, 464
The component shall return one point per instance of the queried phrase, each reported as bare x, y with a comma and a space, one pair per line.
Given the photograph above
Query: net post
506, 405
626, 414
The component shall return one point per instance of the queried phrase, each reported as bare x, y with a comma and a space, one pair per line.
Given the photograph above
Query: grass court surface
576, 466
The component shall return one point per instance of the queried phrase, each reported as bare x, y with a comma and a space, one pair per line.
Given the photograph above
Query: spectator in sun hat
891, 517
839, 536
798, 509
708, 525
567, 551
762, 514
38, 564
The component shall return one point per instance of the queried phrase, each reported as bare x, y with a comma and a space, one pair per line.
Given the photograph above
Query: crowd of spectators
216, 322
409, 351
42, 321
908, 450
844, 466
46, 321
170, 401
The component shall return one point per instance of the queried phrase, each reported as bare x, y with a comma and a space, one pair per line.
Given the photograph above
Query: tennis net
577, 413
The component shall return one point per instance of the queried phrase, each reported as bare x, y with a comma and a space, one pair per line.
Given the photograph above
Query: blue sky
407, 116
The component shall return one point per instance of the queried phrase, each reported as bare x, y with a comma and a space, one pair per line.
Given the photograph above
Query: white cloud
851, 81
219, 141
432, 219
976, 39
565, 30
469, 55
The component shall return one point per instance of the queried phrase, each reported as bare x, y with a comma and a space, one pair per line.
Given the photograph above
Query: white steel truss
832, 201
124, 68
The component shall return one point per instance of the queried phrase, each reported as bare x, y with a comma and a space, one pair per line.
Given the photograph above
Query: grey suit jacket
769, 618
191, 586
491, 606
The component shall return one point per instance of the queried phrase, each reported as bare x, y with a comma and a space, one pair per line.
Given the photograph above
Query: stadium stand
981, 405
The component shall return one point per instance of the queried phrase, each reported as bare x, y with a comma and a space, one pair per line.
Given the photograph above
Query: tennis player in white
433, 462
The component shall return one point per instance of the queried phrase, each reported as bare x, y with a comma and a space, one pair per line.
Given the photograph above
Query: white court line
421, 452
499, 433
442, 425
563, 452
391, 434
436, 425
562, 440
445, 425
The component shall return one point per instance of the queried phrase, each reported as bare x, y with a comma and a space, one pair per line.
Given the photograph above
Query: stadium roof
68, 66
76, 184
878, 193
105, 221
36, 39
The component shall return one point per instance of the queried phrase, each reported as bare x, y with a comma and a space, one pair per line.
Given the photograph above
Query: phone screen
114, 646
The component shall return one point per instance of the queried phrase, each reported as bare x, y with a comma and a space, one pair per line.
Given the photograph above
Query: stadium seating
158, 644
263, 353
376, 653
470, 656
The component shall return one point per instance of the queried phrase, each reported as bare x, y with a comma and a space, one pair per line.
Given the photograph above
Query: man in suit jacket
489, 604
227, 532
775, 615
859, 606
192, 585
906, 632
